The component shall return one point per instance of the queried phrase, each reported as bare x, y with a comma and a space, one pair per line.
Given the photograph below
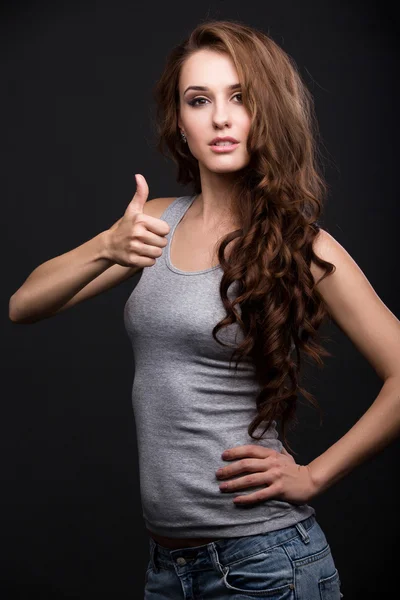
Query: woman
242, 268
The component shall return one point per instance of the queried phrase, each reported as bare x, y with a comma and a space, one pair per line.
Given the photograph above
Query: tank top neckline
168, 253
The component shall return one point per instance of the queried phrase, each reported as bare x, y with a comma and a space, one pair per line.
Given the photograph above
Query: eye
195, 100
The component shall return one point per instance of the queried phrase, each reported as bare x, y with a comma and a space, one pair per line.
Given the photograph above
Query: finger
245, 466
141, 194
242, 483
254, 450
260, 496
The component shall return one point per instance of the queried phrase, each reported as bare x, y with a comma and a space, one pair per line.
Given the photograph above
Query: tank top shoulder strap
175, 211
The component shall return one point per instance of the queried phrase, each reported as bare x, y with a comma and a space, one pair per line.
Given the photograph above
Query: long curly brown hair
277, 199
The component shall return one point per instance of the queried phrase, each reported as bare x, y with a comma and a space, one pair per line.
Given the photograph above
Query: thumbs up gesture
137, 239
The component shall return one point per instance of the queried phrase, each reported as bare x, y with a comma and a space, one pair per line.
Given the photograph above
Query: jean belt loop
153, 555
303, 533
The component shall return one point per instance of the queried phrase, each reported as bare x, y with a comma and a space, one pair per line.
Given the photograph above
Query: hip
292, 563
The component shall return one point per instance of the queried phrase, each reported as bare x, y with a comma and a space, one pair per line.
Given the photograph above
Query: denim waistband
227, 548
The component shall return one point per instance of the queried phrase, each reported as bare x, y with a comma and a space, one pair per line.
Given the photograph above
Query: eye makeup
194, 100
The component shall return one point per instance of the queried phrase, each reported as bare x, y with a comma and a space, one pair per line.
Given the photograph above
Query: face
216, 111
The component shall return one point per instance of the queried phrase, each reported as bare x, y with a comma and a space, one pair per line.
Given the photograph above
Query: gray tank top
189, 406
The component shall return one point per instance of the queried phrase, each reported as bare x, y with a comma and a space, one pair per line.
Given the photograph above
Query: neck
212, 211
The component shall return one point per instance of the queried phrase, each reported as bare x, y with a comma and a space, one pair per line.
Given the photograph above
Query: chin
227, 168
214, 165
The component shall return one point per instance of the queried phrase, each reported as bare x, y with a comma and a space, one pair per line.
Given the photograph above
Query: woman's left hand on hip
282, 477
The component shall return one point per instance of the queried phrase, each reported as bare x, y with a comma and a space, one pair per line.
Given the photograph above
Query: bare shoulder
327, 248
157, 206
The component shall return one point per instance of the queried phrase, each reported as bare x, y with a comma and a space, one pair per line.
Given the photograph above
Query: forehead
208, 68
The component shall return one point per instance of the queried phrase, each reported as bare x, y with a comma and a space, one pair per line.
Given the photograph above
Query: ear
180, 125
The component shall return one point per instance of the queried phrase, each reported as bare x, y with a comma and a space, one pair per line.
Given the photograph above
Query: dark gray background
77, 116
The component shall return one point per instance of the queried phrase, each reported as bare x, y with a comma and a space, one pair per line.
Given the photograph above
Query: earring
183, 136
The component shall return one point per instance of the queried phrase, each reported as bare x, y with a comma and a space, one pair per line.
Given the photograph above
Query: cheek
196, 129
246, 125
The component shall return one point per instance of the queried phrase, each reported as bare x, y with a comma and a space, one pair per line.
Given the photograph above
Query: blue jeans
293, 563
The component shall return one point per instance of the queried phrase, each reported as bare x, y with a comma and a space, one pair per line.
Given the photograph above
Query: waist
175, 543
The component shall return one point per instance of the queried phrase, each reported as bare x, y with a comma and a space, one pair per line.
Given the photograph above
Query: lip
222, 149
227, 138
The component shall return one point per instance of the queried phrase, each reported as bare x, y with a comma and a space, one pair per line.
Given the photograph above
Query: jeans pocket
329, 587
265, 574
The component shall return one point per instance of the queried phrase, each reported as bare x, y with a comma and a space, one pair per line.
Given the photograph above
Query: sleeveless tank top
189, 406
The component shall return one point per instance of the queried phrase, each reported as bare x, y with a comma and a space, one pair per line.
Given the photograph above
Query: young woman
239, 269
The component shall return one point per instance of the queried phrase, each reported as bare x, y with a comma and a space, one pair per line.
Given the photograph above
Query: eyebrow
202, 88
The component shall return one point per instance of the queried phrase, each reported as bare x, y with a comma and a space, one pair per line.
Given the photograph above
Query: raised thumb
141, 195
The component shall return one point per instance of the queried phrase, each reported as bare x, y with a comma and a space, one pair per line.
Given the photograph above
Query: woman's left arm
375, 331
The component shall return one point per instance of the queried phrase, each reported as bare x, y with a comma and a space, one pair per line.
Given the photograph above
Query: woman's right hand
137, 239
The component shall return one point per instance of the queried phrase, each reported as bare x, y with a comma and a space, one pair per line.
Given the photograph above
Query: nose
221, 116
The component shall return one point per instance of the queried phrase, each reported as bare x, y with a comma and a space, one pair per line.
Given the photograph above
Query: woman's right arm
52, 284
90, 269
